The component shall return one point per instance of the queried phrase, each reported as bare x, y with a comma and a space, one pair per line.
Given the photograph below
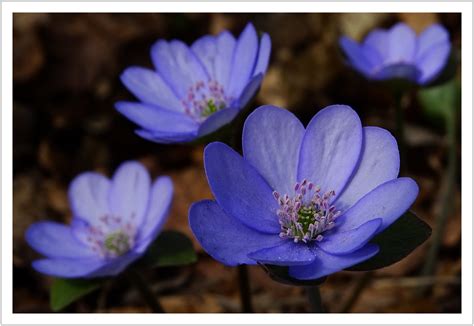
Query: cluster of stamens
111, 236
205, 98
307, 214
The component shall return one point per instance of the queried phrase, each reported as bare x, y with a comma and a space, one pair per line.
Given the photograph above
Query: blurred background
66, 81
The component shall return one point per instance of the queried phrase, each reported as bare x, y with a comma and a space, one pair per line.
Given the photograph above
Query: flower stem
243, 275
244, 285
448, 199
145, 291
102, 299
314, 298
361, 284
398, 95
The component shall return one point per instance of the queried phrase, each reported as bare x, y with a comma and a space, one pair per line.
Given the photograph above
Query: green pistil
305, 218
117, 243
211, 108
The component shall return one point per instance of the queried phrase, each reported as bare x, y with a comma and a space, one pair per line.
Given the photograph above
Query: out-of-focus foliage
441, 102
66, 291
171, 248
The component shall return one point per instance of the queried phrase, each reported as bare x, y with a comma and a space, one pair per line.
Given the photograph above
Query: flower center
307, 214
205, 98
111, 236
117, 243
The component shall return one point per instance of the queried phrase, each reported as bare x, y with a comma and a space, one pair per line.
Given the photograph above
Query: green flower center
211, 108
117, 243
306, 217
204, 98
307, 214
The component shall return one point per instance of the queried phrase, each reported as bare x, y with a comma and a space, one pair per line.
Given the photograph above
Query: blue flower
112, 225
400, 53
195, 90
310, 199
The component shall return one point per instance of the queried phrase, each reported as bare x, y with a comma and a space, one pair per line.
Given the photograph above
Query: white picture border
7, 315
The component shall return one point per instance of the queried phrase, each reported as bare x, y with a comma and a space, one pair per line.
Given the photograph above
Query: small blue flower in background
310, 199
113, 223
399, 53
195, 90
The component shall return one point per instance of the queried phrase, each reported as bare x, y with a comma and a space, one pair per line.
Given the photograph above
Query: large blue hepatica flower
310, 199
113, 223
400, 53
195, 90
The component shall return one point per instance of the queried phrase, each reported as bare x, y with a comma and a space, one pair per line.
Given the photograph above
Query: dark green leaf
171, 248
396, 242
280, 274
440, 102
66, 291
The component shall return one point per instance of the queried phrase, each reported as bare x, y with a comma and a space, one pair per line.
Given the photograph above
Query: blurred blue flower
310, 199
195, 90
399, 53
113, 223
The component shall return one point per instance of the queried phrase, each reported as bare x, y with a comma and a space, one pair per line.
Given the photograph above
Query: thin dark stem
400, 116
244, 282
102, 299
361, 284
244, 285
145, 291
447, 204
314, 298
